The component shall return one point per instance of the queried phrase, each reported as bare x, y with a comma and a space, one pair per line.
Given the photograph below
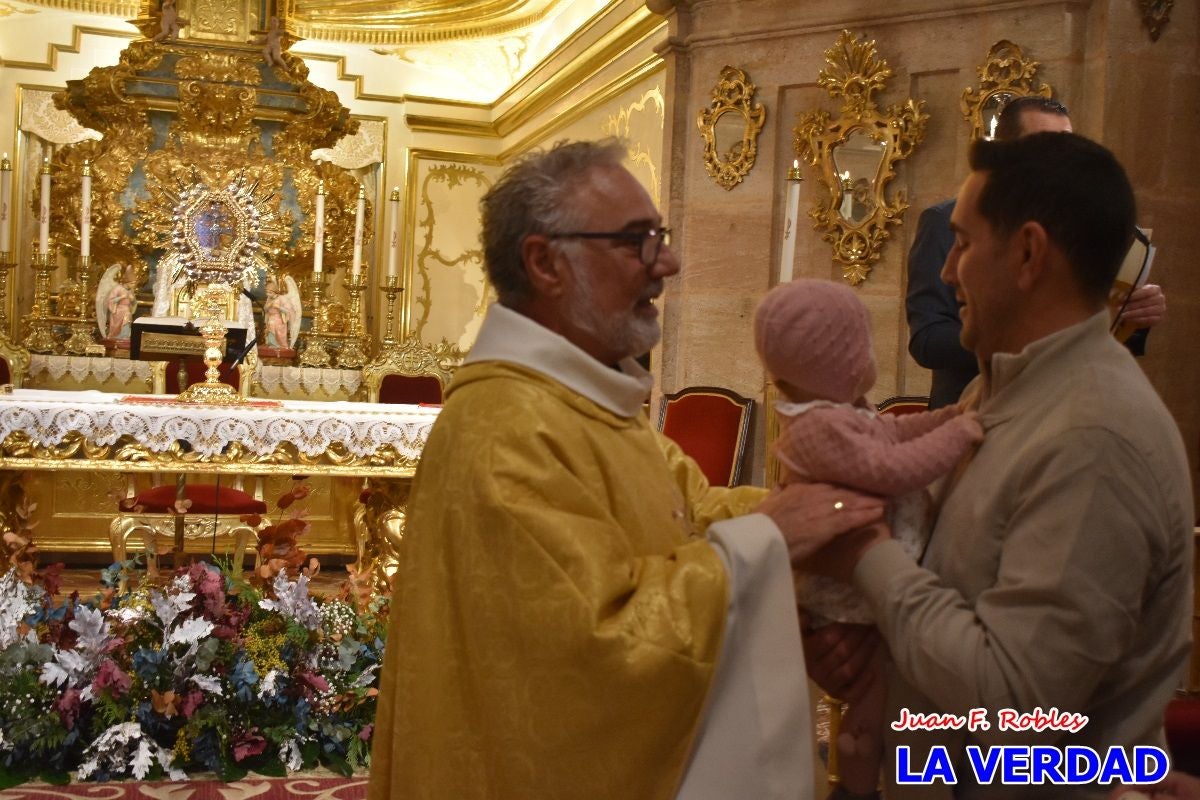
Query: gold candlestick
315, 353
40, 336
353, 354
391, 287
83, 333
7, 264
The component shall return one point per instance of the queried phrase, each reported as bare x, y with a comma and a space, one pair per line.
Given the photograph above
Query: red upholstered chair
711, 425
184, 511
411, 372
14, 362
902, 404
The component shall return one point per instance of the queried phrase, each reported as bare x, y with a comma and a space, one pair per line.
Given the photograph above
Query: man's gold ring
837, 506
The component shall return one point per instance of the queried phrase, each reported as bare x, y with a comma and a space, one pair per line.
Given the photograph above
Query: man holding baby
1058, 572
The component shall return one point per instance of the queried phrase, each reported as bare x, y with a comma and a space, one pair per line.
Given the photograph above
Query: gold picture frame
855, 155
730, 127
1005, 75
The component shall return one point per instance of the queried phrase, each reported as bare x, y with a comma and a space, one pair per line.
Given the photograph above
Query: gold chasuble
557, 614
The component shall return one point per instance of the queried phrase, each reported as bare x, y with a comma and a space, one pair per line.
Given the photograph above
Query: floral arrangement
204, 673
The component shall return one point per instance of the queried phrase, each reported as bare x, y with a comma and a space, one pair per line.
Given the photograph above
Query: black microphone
241, 356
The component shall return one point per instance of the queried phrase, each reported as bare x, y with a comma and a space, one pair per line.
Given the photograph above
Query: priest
576, 613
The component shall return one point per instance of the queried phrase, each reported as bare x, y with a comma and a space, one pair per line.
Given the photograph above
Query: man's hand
839, 558
840, 658
811, 514
1146, 308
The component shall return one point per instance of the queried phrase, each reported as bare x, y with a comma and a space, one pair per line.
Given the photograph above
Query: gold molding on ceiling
647, 68
634, 29
380, 32
74, 48
126, 9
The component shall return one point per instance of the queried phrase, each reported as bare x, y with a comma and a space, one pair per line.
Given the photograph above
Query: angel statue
169, 22
281, 316
116, 298
272, 42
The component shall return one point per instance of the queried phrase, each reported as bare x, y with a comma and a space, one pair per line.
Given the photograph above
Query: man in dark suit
933, 321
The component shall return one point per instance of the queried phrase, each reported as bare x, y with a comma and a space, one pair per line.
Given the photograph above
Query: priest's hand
841, 658
811, 514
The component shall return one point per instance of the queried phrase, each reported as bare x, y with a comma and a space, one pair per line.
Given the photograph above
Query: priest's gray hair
535, 196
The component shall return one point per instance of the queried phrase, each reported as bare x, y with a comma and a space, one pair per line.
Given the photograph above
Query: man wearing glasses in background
576, 613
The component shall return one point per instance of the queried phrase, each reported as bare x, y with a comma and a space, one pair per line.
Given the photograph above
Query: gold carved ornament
1006, 75
855, 155
1155, 15
730, 127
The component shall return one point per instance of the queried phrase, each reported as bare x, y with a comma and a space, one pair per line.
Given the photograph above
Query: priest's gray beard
624, 332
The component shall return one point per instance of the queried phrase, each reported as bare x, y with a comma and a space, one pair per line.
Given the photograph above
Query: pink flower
67, 707
113, 678
365, 733
191, 701
248, 744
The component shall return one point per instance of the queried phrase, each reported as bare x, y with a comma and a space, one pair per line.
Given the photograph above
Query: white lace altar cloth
308, 380
47, 417
80, 367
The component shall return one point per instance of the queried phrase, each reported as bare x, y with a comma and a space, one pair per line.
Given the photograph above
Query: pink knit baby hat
816, 336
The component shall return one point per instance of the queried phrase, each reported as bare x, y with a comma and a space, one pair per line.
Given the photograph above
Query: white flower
168, 607
293, 601
289, 754
115, 750
190, 631
267, 687
76, 667
16, 603
209, 683
129, 614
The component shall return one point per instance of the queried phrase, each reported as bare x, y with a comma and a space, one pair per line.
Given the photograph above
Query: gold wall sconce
1155, 15
730, 127
856, 154
1007, 74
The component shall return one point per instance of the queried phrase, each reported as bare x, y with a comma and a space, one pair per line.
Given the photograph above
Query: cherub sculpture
272, 42
169, 22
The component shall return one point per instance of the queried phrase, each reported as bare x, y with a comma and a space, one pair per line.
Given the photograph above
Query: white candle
319, 230
44, 210
394, 233
356, 264
85, 211
788, 248
5, 202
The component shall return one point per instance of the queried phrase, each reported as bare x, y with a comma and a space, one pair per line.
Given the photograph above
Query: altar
77, 448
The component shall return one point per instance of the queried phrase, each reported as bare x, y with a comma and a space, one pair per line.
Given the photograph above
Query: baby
814, 340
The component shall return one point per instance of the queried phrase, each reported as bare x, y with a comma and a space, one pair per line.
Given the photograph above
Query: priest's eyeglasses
648, 242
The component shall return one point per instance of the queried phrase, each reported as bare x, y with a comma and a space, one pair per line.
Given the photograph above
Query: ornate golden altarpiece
216, 111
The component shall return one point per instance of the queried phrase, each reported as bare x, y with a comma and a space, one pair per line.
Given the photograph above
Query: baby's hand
969, 421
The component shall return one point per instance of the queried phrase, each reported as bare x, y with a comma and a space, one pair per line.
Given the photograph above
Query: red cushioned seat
1182, 724
206, 498
710, 425
412, 389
